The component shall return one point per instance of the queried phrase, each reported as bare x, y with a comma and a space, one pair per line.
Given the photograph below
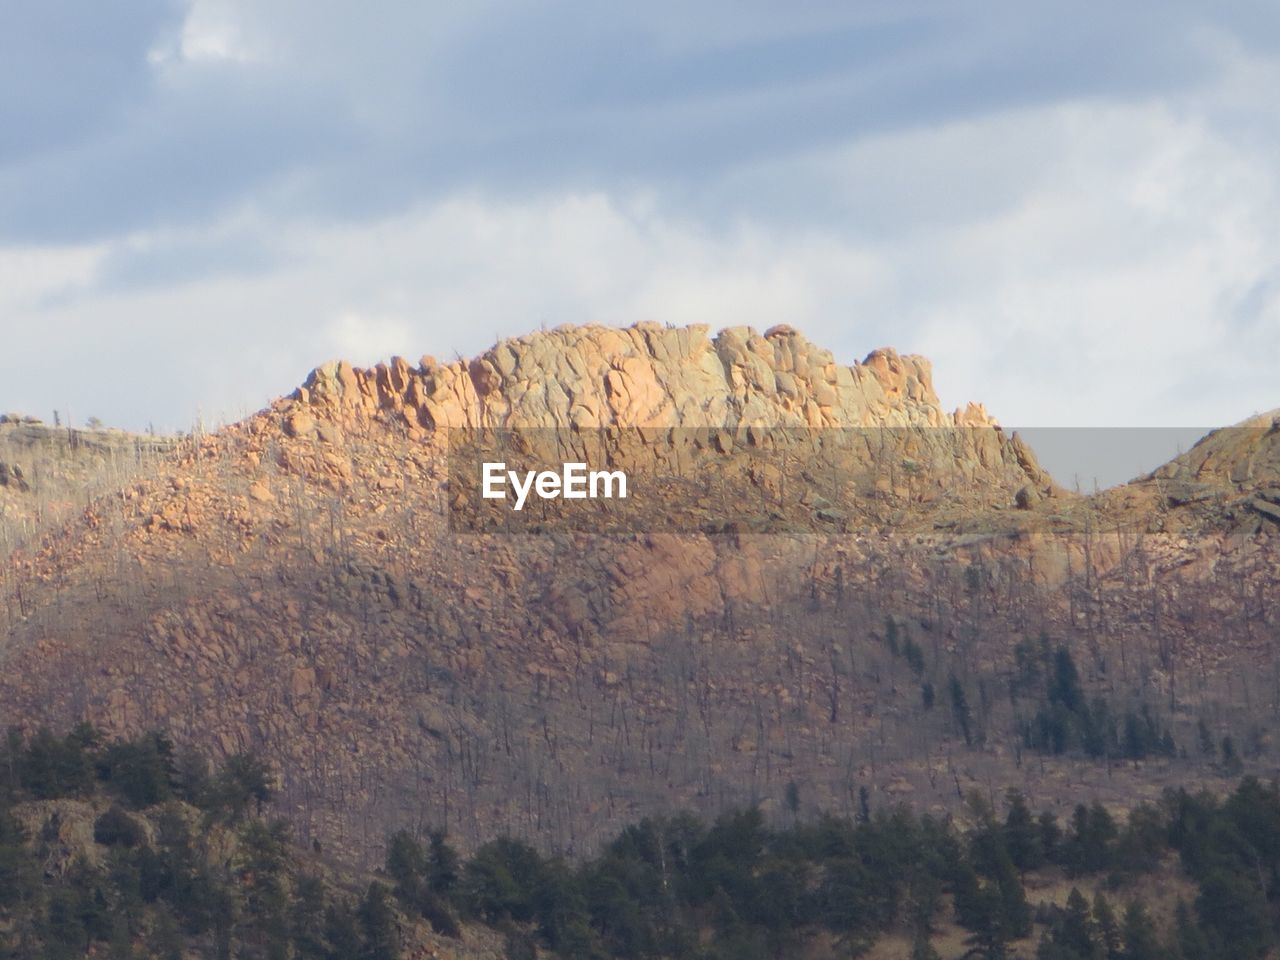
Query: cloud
1069, 209
70, 72
367, 340
328, 110
1102, 285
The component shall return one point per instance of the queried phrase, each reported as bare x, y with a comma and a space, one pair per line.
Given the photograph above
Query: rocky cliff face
294, 584
687, 404
646, 376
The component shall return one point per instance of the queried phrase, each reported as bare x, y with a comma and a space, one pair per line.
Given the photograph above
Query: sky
1073, 208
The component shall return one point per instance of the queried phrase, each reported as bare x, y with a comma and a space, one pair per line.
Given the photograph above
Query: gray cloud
349, 111
1040, 196
72, 71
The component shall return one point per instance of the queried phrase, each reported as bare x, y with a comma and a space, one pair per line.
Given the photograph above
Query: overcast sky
1071, 208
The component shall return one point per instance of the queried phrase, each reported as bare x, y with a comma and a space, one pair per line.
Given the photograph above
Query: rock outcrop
688, 396
296, 584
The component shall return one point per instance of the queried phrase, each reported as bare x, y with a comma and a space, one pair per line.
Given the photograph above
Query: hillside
129, 849
48, 474
857, 612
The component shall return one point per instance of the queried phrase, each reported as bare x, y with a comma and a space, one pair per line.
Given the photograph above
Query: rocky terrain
48, 474
309, 583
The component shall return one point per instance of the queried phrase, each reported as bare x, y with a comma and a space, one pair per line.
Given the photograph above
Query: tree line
185, 860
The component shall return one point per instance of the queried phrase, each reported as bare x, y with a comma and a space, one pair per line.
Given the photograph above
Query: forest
185, 860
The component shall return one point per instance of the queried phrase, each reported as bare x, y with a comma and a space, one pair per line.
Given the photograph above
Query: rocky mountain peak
645, 375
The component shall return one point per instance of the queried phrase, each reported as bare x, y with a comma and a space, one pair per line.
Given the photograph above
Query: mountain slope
301, 584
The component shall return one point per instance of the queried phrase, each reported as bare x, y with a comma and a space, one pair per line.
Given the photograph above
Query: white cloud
1087, 264
213, 31
365, 340
29, 275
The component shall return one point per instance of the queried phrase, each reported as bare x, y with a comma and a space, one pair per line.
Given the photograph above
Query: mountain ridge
293, 584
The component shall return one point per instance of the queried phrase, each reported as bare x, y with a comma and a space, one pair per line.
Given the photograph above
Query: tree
891, 635
1050, 837
19, 879
166, 938
307, 919
1139, 934
1093, 833
980, 910
443, 865
406, 862
1064, 687
341, 933
1021, 837
1231, 763
1208, 748
1104, 922
1074, 929
1233, 907
793, 800
141, 772
1192, 943
960, 708
377, 925
922, 949
51, 768
244, 778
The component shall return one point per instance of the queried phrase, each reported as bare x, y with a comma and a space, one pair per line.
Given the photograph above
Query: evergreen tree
1021, 836
1191, 941
960, 708
1074, 931
1064, 687
983, 910
922, 949
1139, 934
927, 696
891, 635
1234, 909
406, 862
377, 925
245, 780
341, 933
1104, 922
307, 919
443, 865
1050, 837
1231, 763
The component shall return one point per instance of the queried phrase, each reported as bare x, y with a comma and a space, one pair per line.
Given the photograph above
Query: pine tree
960, 708
340, 932
922, 949
442, 865
1139, 934
307, 919
1104, 922
1050, 837
377, 925
1074, 929
1022, 838
1192, 943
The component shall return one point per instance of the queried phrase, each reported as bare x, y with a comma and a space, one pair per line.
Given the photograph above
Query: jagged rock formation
293, 583
649, 376
692, 402
646, 376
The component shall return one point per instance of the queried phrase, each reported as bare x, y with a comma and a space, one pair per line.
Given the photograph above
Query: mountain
821, 579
